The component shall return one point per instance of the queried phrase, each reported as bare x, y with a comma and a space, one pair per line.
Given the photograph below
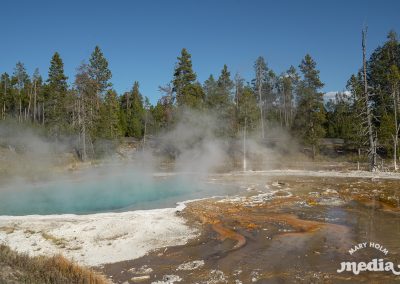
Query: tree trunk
284, 105
84, 156
244, 145
396, 135
5, 96
145, 131
34, 102
314, 151
29, 104
82, 125
395, 155
261, 109
20, 107
372, 141
73, 114
43, 113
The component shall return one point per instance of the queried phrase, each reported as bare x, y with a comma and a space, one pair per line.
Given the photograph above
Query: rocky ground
286, 229
285, 226
96, 238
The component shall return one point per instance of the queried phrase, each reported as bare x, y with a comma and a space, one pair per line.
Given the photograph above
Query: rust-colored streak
295, 222
226, 233
256, 217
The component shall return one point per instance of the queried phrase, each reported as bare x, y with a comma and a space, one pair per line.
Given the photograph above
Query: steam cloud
32, 165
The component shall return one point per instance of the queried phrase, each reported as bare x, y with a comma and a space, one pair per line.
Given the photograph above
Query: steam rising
195, 145
34, 174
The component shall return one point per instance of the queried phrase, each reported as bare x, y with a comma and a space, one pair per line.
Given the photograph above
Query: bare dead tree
396, 135
82, 128
261, 102
42, 113
4, 102
167, 100
34, 100
127, 103
394, 77
371, 138
238, 87
20, 106
30, 101
146, 121
83, 85
86, 92
284, 106
35, 79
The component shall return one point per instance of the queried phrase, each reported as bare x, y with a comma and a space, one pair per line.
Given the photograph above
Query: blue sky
141, 39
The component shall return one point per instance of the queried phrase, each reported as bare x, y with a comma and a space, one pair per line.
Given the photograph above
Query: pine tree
219, 93
85, 89
110, 127
99, 76
56, 101
99, 72
310, 113
238, 92
164, 111
381, 71
21, 79
358, 123
225, 84
248, 112
6, 96
148, 119
37, 84
210, 89
340, 117
221, 104
265, 84
161, 114
394, 81
57, 81
187, 92
288, 85
239, 86
193, 96
136, 112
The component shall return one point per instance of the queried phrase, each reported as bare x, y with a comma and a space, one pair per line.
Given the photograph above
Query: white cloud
331, 95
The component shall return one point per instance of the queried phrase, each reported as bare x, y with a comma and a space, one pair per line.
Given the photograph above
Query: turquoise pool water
104, 194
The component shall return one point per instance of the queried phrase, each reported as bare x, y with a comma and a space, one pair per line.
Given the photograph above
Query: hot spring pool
100, 193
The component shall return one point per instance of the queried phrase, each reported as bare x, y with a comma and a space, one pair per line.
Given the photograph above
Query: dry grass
111, 238
60, 242
20, 268
7, 229
29, 232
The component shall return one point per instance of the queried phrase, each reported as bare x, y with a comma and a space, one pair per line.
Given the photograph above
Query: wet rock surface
282, 230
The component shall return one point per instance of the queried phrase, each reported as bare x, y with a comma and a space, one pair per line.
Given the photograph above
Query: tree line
365, 116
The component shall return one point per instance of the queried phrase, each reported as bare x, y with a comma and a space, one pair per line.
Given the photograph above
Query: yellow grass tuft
44, 270
60, 242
